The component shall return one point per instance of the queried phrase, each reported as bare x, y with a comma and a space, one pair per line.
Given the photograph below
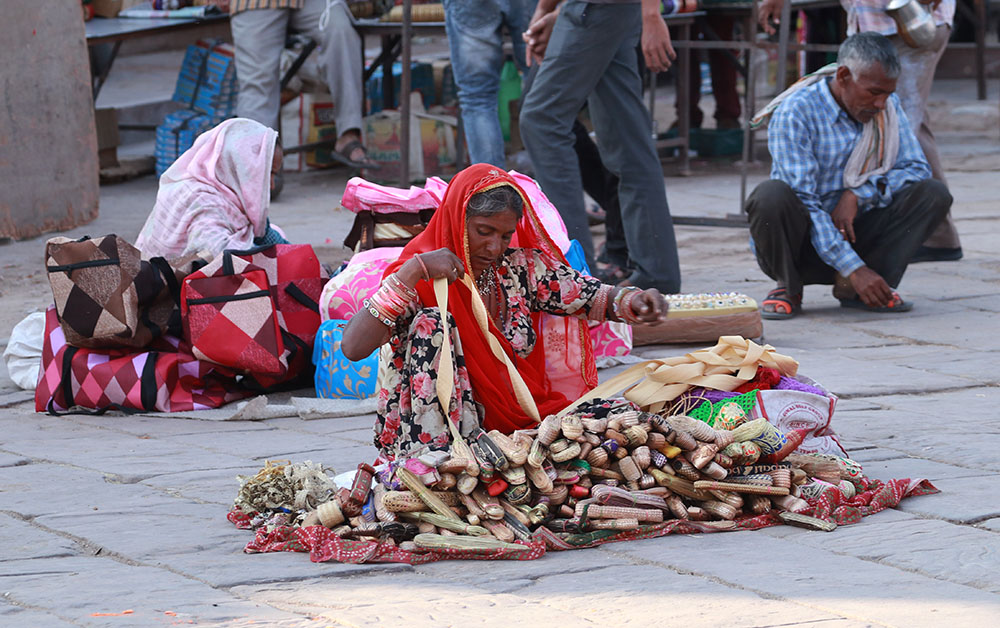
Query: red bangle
423, 267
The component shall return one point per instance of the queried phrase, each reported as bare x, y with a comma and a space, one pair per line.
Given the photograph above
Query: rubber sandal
344, 156
782, 305
896, 305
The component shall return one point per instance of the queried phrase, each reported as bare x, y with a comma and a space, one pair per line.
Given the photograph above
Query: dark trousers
591, 58
721, 69
887, 237
602, 186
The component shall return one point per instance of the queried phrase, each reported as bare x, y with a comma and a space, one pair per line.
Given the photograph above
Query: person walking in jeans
590, 56
476, 42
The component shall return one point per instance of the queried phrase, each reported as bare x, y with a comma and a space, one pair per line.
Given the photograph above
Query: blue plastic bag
336, 376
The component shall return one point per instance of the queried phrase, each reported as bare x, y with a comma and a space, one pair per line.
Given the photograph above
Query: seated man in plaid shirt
851, 196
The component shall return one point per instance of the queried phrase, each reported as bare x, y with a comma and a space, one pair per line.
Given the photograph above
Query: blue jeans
475, 37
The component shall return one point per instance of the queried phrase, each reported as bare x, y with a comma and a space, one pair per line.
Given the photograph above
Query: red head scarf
490, 383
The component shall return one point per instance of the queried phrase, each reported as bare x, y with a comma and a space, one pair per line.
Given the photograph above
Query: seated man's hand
844, 214
871, 288
768, 10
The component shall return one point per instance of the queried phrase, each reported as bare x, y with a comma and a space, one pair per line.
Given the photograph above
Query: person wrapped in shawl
216, 195
487, 229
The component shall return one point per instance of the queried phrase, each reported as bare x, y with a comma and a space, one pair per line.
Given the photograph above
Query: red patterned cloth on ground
323, 545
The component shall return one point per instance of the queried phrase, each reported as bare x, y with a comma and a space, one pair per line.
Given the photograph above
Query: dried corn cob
741, 488
436, 541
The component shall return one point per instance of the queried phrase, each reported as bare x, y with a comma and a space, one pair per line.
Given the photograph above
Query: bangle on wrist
618, 308
423, 266
379, 316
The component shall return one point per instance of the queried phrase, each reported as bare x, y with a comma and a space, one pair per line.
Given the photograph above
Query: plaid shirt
810, 138
235, 6
869, 15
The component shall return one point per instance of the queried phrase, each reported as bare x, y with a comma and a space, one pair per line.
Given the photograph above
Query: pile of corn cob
577, 474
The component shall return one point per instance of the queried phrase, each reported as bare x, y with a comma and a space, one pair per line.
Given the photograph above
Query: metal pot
914, 22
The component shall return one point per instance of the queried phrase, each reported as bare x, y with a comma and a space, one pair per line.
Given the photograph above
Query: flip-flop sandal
344, 156
783, 305
896, 305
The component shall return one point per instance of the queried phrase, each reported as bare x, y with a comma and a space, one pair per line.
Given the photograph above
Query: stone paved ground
102, 515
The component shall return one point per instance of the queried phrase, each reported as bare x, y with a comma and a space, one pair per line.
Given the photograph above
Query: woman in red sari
487, 228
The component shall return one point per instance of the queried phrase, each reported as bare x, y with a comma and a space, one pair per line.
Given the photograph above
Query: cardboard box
107, 137
107, 8
306, 119
433, 139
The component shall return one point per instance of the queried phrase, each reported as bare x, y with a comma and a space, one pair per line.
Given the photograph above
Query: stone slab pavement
120, 520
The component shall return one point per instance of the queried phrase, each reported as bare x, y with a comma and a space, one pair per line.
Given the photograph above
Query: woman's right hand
441, 263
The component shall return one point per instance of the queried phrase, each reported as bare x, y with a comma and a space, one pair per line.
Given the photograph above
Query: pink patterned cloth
216, 195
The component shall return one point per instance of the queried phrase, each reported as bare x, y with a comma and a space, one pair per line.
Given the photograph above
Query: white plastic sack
24, 350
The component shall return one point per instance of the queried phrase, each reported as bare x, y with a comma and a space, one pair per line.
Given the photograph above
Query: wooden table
115, 30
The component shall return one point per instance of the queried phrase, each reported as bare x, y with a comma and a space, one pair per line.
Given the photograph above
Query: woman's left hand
649, 306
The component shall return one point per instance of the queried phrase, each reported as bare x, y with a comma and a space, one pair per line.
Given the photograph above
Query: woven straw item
751, 489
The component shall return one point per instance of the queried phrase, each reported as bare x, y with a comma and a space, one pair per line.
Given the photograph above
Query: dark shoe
936, 254
779, 305
896, 305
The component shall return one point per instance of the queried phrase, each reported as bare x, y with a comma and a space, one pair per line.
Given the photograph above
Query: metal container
913, 22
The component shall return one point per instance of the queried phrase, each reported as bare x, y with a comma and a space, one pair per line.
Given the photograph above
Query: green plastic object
706, 412
510, 89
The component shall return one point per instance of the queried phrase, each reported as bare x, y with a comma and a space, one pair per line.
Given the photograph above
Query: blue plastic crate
176, 134
421, 80
207, 80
